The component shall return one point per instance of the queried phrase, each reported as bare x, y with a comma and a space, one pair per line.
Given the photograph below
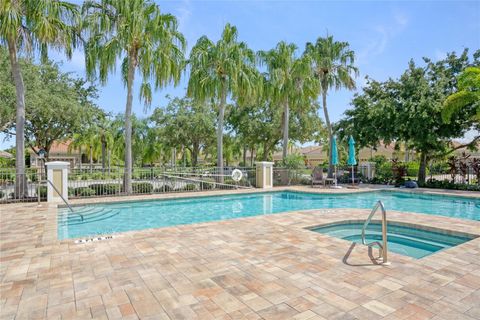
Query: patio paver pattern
263, 267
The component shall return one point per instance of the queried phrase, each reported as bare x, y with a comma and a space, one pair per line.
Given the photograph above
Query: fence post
57, 174
264, 174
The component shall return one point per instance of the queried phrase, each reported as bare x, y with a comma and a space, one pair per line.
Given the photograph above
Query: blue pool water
405, 240
117, 217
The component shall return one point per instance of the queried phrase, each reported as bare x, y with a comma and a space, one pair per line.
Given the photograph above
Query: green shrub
384, 172
145, 174
447, 184
84, 192
230, 181
105, 189
7, 176
32, 176
412, 169
208, 184
97, 176
189, 187
142, 187
294, 161
43, 191
164, 188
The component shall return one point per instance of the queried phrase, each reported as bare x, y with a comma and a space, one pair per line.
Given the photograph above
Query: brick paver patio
264, 267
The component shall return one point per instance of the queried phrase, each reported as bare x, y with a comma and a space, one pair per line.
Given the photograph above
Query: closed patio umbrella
335, 157
351, 156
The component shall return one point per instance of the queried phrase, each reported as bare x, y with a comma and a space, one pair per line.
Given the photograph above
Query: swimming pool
107, 218
407, 240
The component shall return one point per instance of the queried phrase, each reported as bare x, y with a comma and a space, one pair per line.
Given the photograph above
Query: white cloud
381, 36
184, 14
401, 19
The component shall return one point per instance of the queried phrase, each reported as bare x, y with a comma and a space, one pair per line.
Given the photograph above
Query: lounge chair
317, 177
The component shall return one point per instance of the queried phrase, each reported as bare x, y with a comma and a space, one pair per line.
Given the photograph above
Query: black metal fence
32, 186
94, 182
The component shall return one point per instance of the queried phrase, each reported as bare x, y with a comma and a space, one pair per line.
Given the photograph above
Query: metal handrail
65, 201
203, 181
383, 246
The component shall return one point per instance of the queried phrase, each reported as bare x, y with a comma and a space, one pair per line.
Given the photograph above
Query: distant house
460, 151
5, 155
58, 152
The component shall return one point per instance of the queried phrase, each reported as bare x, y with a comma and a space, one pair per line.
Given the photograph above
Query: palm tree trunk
195, 151
127, 179
329, 129
286, 117
104, 152
221, 115
252, 150
109, 160
21, 189
91, 159
244, 155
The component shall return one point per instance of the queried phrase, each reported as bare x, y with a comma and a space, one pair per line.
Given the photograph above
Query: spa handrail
383, 246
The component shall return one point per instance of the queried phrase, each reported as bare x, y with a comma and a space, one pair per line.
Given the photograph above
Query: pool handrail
383, 246
65, 201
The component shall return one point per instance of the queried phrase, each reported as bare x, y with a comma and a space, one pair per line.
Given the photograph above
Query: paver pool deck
263, 267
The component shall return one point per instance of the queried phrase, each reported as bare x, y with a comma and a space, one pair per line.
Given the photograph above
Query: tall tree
148, 43
409, 110
289, 81
333, 65
30, 26
188, 123
57, 104
221, 70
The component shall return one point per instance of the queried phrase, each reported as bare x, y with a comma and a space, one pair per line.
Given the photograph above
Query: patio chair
317, 177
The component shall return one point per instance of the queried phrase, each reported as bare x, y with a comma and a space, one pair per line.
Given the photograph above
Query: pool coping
423, 227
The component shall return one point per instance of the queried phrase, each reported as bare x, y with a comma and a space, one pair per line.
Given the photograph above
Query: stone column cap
57, 164
264, 162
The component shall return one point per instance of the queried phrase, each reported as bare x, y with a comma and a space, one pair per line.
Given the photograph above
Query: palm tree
147, 41
289, 81
467, 96
86, 140
219, 70
27, 26
333, 64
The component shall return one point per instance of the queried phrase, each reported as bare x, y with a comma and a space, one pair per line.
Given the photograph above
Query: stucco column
57, 174
264, 174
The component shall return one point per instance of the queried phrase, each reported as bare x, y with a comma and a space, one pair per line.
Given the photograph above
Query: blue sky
384, 34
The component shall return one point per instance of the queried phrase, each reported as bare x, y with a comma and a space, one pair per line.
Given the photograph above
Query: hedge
446, 184
164, 188
84, 192
105, 189
142, 187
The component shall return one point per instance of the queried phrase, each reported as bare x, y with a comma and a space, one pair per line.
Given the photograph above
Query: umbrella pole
335, 176
353, 178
